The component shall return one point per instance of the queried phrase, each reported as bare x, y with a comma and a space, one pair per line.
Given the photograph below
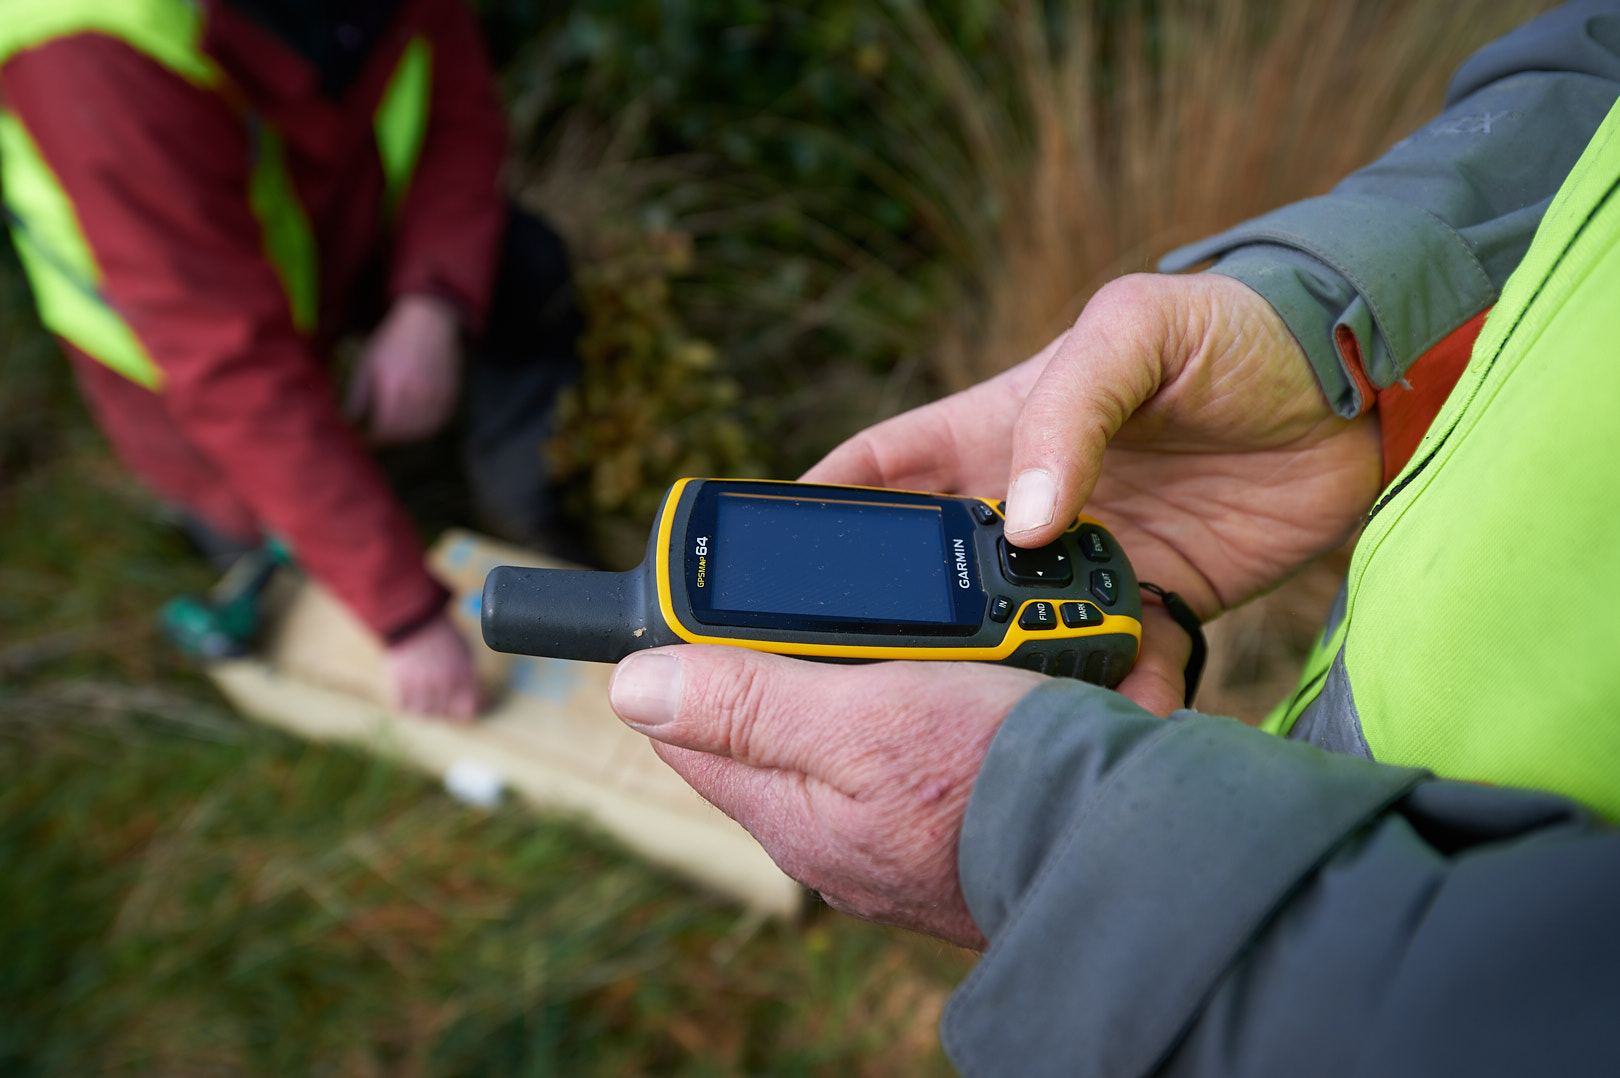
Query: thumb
1112, 361
846, 726
763, 710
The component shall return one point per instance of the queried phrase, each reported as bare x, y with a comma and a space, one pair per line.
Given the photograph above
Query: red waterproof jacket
244, 429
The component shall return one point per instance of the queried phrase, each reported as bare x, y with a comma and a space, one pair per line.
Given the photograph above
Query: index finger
1101, 372
913, 451
952, 446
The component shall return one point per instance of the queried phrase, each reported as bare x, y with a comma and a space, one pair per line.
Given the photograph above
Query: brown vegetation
1082, 150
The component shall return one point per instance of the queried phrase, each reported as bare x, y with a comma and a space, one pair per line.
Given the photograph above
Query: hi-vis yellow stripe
60, 265
169, 31
1015, 638
401, 120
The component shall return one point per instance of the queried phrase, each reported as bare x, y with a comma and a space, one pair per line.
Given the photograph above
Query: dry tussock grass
1078, 149
1076, 142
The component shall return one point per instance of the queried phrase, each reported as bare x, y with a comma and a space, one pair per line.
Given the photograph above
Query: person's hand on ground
1181, 413
405, 384
854, 779
431, 673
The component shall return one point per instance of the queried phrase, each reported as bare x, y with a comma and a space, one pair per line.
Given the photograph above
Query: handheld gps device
846, 574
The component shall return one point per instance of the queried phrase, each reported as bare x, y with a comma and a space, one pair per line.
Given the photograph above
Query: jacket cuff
471, 314
431, 606
1311, 299
1410, 271
1119, 865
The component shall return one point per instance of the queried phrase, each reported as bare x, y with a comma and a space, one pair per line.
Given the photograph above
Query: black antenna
566, 613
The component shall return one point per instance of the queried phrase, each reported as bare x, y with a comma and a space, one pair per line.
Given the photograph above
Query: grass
186, 894
1082, 141
182, 892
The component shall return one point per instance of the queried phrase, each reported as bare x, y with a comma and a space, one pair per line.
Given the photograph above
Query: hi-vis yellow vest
1479, 630
58, 259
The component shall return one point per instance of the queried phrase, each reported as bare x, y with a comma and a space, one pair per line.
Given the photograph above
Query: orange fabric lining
1405, 411
1406, 408
1350, 353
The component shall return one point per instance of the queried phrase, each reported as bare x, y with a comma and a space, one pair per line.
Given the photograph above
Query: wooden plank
550, 737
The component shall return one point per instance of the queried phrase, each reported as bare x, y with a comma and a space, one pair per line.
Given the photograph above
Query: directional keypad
1047, 566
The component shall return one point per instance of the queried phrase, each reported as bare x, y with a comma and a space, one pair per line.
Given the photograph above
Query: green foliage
703, 71
780, 93
821, 268
651, 405
35, 385
801, 303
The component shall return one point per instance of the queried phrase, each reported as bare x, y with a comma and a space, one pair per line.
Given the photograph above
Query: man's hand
431, 673
409, 373
1181, 413
855, 779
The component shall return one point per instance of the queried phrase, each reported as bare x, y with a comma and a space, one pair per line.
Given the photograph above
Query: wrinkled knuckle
1131, 288
740, 702
1125, 297
1103, 303
865, 455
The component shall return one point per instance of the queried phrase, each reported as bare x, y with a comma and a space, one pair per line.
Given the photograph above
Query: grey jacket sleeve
1408, 249
1193, 897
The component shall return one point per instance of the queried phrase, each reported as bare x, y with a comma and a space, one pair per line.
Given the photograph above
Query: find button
1038, 616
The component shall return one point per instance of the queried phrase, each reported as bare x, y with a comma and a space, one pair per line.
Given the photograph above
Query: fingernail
1031, 502
646, 688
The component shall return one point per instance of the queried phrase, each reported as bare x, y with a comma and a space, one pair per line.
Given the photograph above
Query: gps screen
846, 560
